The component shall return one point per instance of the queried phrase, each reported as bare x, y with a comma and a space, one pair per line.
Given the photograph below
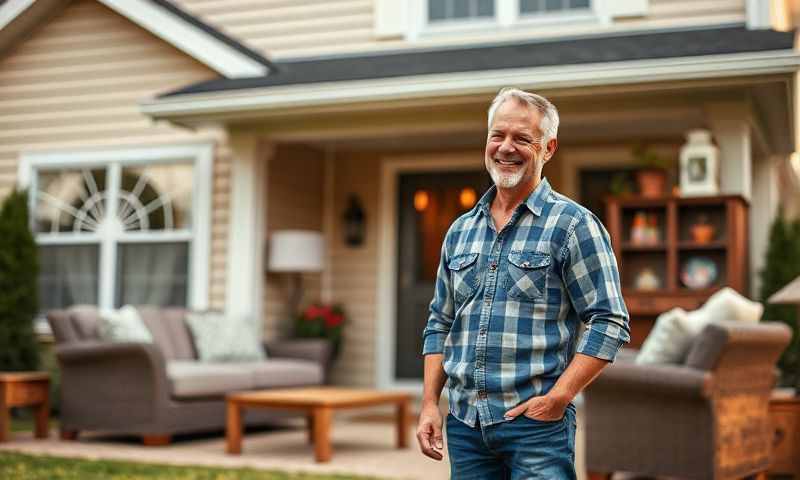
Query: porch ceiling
593, 118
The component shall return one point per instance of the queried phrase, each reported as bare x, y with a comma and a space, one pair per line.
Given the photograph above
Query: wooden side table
784, 412
25, 389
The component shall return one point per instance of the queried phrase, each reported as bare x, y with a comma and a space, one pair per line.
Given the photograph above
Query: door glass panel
428, 203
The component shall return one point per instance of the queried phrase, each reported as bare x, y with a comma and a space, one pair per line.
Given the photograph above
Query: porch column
765, 201
730, 126
247, 218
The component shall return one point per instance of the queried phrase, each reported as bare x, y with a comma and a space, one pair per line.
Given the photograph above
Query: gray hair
548, 111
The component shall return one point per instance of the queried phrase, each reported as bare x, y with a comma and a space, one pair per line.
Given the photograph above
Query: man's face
515, 154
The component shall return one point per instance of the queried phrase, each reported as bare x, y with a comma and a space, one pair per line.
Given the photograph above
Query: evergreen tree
782, 265
19, 270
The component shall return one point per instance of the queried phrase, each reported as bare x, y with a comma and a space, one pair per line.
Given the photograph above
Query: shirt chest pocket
527, 274
464, 275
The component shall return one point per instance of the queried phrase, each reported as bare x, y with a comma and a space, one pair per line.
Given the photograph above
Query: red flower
333, 320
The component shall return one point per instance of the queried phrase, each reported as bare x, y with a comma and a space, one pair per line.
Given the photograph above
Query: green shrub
19, 270
782, 265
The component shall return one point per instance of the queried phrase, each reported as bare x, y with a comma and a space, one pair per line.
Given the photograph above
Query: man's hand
429, 431
546, 407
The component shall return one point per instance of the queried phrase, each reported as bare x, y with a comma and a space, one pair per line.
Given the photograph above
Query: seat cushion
200, 379
286, 372
86, 321
169, 330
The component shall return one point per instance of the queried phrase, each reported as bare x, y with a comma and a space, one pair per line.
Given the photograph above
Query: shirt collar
536, 199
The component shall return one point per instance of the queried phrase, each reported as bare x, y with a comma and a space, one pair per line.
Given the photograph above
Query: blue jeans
522, 448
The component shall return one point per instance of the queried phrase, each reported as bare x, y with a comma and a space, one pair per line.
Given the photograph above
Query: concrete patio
363, 444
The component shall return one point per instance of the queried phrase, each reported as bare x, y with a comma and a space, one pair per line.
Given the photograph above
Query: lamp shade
790, 294
296, 251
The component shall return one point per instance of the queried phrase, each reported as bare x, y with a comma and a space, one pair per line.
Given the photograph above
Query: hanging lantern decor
354, 222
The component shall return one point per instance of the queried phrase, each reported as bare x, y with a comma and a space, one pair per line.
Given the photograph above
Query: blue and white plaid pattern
507, 305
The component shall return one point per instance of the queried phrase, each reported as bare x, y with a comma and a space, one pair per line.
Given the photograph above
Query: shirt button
487, 302
482, 394
493, 267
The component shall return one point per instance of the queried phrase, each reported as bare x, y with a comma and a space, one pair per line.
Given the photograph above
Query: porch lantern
789, 295
354, 222
699, 165
295, 252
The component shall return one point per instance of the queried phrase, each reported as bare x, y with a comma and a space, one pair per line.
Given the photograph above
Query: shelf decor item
652, 175
699, 272
644, 229
647, 280
702, 231
699, 160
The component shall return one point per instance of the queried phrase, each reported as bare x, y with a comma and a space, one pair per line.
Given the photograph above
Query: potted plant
652, 174
322, 321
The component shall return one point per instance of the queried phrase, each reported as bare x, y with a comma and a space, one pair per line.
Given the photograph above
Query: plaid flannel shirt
506, 307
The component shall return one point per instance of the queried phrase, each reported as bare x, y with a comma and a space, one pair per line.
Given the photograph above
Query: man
518, 274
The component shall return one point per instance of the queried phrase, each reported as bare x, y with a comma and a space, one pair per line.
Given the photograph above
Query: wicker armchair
705, 419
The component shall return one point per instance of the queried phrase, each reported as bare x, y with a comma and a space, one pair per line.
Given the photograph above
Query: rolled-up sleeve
440, 317
592, 281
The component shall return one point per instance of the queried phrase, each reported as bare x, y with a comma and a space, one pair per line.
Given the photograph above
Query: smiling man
518, 275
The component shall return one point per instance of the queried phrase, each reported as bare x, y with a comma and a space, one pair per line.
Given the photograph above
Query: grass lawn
35, 467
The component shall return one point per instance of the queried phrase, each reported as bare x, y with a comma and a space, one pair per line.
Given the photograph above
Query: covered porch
297, 168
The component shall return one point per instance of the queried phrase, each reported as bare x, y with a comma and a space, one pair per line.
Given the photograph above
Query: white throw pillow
672, 335
726, 304
222, 338
668, 341
124, 325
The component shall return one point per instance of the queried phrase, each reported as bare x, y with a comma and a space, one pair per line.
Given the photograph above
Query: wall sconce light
354, 222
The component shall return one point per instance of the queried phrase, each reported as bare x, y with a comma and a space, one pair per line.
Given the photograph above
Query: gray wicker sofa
158, 390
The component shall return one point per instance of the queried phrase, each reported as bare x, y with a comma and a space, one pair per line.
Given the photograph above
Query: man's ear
550, 149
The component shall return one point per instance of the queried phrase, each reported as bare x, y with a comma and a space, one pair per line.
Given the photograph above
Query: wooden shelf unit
728, 250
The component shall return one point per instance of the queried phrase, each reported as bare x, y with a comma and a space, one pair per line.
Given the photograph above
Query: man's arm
591, 278
440, 319
429, 427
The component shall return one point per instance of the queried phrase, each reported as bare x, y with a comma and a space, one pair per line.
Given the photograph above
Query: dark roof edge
234, 44
528, 41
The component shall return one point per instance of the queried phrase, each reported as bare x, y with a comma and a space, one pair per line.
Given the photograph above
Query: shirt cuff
434, 343
600, 345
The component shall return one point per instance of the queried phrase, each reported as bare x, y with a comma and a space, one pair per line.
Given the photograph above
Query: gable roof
162, 18
652, 45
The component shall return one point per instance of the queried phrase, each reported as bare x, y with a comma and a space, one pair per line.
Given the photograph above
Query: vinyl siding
294, 201
355, 269
284, 28
75, 82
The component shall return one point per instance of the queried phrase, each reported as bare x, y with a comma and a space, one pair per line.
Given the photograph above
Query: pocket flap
462, 261
529, 259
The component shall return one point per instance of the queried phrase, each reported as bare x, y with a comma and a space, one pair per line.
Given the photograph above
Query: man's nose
507, 146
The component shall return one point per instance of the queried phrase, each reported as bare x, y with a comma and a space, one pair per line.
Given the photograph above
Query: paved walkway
362, 445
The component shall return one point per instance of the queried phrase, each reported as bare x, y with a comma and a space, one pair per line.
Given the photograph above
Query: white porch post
765, 199
247, 218
730, 126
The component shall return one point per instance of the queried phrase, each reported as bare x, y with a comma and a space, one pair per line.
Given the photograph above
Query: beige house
165, 141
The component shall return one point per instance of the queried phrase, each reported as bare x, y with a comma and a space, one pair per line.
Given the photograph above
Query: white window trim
199, 236
506, 15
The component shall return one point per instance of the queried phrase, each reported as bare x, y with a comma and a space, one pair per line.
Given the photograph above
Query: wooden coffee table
318, 403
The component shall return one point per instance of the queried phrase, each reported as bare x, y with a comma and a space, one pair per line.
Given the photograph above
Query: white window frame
198, 236
506, 16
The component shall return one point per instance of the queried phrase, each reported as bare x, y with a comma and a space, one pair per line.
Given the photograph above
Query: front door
428, 203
